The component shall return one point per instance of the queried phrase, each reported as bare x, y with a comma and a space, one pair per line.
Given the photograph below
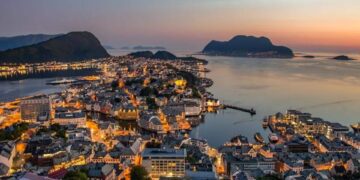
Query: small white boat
62, 81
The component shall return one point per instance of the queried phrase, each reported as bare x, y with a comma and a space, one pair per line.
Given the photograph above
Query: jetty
250, 111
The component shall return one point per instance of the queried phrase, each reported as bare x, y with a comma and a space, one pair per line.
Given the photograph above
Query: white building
164, 162
7, 153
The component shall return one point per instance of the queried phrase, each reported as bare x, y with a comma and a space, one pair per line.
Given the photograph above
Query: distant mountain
247, 46
143, 48
69, 47
125, 48
148, 48
24, 40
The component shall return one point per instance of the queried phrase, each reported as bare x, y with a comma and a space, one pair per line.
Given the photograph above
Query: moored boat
259, 138
62, 81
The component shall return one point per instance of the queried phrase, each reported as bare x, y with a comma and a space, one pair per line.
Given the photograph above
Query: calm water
35, 83
326, 88
10, 90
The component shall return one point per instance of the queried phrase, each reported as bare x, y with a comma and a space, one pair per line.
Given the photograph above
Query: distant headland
69, 47
24, 40
247, 46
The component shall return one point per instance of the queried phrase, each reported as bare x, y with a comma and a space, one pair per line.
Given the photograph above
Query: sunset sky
310, 25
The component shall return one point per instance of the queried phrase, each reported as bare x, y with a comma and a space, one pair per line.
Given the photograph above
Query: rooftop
155, 152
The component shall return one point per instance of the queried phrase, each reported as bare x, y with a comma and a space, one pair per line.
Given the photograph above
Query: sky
303, 25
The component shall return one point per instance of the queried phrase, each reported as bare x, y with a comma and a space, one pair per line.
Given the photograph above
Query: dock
250, 111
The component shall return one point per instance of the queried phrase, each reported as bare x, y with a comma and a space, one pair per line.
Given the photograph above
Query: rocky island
69, 47
309, 56
343, 58
247, 46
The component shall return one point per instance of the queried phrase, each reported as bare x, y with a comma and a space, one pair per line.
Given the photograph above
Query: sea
326, 88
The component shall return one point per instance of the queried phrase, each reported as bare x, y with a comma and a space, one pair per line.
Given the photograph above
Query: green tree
139, 173
75, 175
151, 103
13, 132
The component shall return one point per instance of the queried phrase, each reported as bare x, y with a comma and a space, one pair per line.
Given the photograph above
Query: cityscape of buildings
135, 116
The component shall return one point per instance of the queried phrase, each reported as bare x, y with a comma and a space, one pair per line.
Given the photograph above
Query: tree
13, 132
59, 130
114, 85
75, 175
151, 103
139, 173
146, 91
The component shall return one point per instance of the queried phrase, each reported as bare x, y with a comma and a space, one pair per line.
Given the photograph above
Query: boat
259, 138
239, 140
356, 127
62, 81
273, 138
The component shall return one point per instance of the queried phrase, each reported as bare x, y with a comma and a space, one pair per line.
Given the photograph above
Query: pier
250, 111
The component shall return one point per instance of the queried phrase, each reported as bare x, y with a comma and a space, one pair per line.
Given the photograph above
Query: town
132, 121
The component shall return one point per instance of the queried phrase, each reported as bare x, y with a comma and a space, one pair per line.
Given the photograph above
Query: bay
326, 88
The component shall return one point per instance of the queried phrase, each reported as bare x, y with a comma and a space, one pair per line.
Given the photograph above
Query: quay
250, 111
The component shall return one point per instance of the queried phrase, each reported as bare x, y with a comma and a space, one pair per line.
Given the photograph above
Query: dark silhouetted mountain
69, 47
164, 55
24, 40
247, 46
142, 54
343, 58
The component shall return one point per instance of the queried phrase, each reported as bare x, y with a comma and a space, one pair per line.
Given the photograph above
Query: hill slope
162, 55
247, 46
68, 47
24, 40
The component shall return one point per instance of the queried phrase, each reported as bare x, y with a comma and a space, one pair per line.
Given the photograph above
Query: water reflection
326, 88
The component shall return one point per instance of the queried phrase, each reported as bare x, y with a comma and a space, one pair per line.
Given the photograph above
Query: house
127, 112
101, 171
67, 116
7, 153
